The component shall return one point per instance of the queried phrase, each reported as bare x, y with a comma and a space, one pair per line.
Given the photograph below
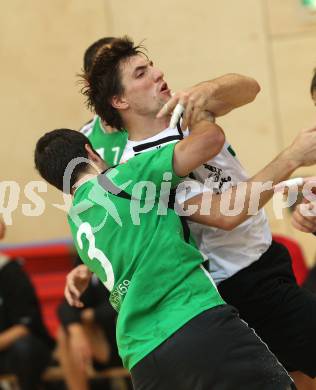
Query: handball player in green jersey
171, 318
255, 262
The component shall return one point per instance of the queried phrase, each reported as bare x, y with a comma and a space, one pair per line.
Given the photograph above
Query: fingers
176, 105
309, 130
72, 296
303, 224
189, 103
72, 293
187, 117
178, 110
303, 218
176, 115
169, 106
310, 180
299, 226
294, 182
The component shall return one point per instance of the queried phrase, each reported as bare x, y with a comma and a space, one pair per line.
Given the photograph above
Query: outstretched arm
218, 96
302, 152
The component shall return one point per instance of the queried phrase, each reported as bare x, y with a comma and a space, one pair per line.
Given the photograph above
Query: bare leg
75, 377
100, 347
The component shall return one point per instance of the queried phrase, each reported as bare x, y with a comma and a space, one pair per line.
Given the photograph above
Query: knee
29, 348
22, 348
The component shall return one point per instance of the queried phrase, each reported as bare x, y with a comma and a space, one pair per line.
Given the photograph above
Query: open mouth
164, 87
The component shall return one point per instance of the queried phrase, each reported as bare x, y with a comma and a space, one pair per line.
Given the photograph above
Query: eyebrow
142, 67
138, 68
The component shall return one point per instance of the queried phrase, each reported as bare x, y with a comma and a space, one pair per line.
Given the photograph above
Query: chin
167, 95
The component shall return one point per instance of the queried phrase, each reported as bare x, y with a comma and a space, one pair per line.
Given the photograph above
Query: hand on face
194, 100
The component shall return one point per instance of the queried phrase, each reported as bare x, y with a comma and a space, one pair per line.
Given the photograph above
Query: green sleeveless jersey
110, 146
141, 250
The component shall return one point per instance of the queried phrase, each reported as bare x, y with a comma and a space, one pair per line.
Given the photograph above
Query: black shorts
282, 314
215, 350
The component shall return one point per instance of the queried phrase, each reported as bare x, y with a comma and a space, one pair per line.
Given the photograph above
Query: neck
106, 128
140, 128
83, 178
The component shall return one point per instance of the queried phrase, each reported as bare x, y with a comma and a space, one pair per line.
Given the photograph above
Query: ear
95, 158
92, 155
119, 102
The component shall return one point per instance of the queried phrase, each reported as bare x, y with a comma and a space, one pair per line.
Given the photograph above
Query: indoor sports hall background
42, 45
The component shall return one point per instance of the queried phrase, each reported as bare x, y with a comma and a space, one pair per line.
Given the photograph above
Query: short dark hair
53, 152
313, 83
104, 79
92, 52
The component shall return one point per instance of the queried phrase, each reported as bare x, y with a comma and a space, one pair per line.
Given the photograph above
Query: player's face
144, 87
314, 96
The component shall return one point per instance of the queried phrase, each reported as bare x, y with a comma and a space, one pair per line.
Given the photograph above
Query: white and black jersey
228, 251
165, 137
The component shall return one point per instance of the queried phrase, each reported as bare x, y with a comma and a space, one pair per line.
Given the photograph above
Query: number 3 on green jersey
96, 255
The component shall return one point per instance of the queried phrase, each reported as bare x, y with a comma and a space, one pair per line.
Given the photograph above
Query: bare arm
205, 141
218, 96
10, 335
227, 92
302, 152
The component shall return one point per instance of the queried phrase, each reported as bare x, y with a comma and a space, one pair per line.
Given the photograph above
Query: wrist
290, 160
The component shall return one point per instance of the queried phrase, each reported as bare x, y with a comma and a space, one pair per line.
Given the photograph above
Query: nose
157, 74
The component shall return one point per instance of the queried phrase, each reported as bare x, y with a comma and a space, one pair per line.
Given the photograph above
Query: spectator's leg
75, 377
28, 358
302, 381
109, 334
101, 349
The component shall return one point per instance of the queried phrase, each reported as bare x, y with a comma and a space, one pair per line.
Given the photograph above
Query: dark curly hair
103, 81
92, 52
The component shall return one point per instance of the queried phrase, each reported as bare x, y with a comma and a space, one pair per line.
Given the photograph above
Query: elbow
249, 84
224, 223
256, 88
228, 226
216, 141
219, 140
